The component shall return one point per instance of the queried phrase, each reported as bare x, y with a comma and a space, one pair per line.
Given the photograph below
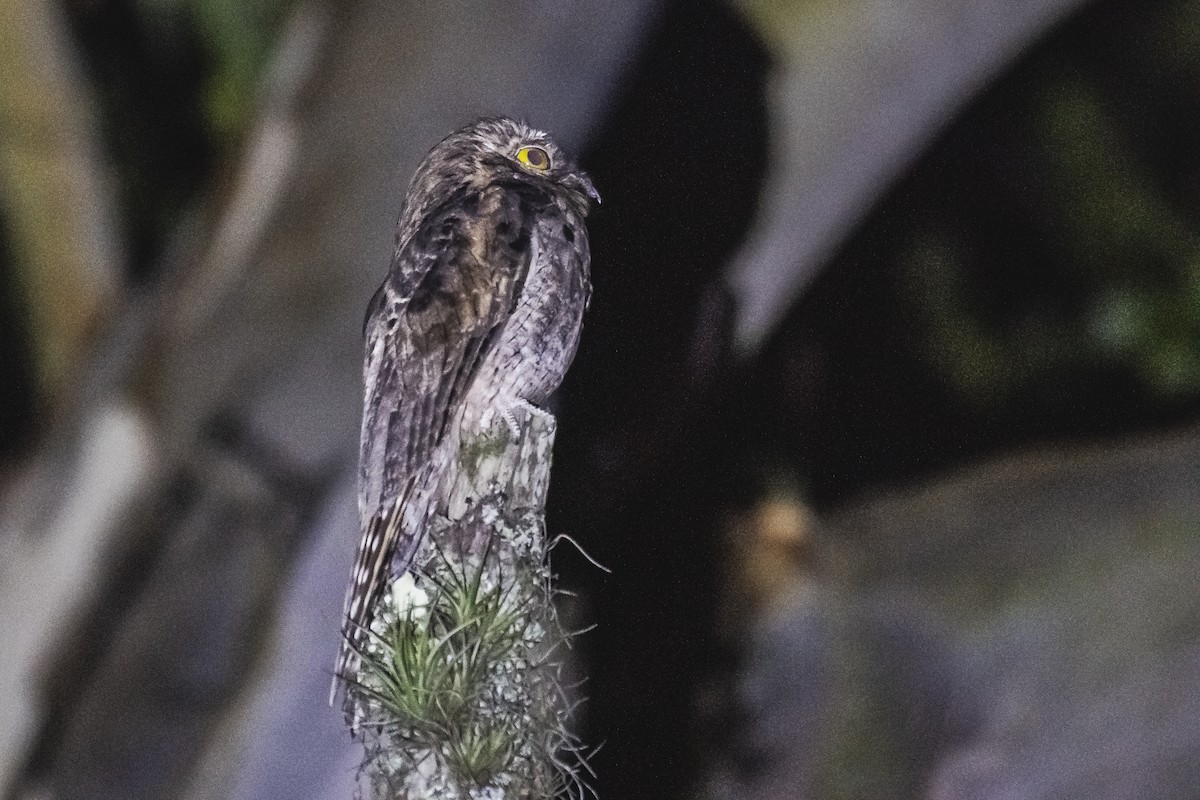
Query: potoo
476, 323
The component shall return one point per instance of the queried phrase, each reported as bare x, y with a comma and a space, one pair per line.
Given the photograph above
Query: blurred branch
119, 511
860, 89
52, 187
67, 263
52, 555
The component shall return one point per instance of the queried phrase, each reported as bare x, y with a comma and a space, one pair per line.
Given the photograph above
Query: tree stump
459, 692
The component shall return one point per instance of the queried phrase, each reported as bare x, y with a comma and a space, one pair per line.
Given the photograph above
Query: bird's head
496, 149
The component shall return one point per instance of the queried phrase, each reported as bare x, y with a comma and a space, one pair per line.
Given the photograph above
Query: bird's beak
584, 184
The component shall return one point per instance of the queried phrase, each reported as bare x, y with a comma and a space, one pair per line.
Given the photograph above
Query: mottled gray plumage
478, 318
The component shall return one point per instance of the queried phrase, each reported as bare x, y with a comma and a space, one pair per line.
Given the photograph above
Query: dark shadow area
679, 164
150, 86
18, 392
977, 308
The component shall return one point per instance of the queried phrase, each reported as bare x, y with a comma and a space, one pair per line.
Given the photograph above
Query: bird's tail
373, 566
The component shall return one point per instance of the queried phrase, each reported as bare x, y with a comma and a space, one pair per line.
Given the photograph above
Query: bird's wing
451, 288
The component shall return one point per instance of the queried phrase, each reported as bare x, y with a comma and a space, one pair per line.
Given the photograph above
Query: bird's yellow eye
534, 157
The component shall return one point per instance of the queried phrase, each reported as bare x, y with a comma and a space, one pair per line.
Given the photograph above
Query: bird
481, 309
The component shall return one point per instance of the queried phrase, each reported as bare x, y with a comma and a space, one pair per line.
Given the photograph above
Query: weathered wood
486, 715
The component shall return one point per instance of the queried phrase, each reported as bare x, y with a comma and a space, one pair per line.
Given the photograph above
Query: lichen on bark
460, 691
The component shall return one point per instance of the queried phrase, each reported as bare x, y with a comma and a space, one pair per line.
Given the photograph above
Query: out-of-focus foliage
1078, 251
177, 84
237, 37
1034, 275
